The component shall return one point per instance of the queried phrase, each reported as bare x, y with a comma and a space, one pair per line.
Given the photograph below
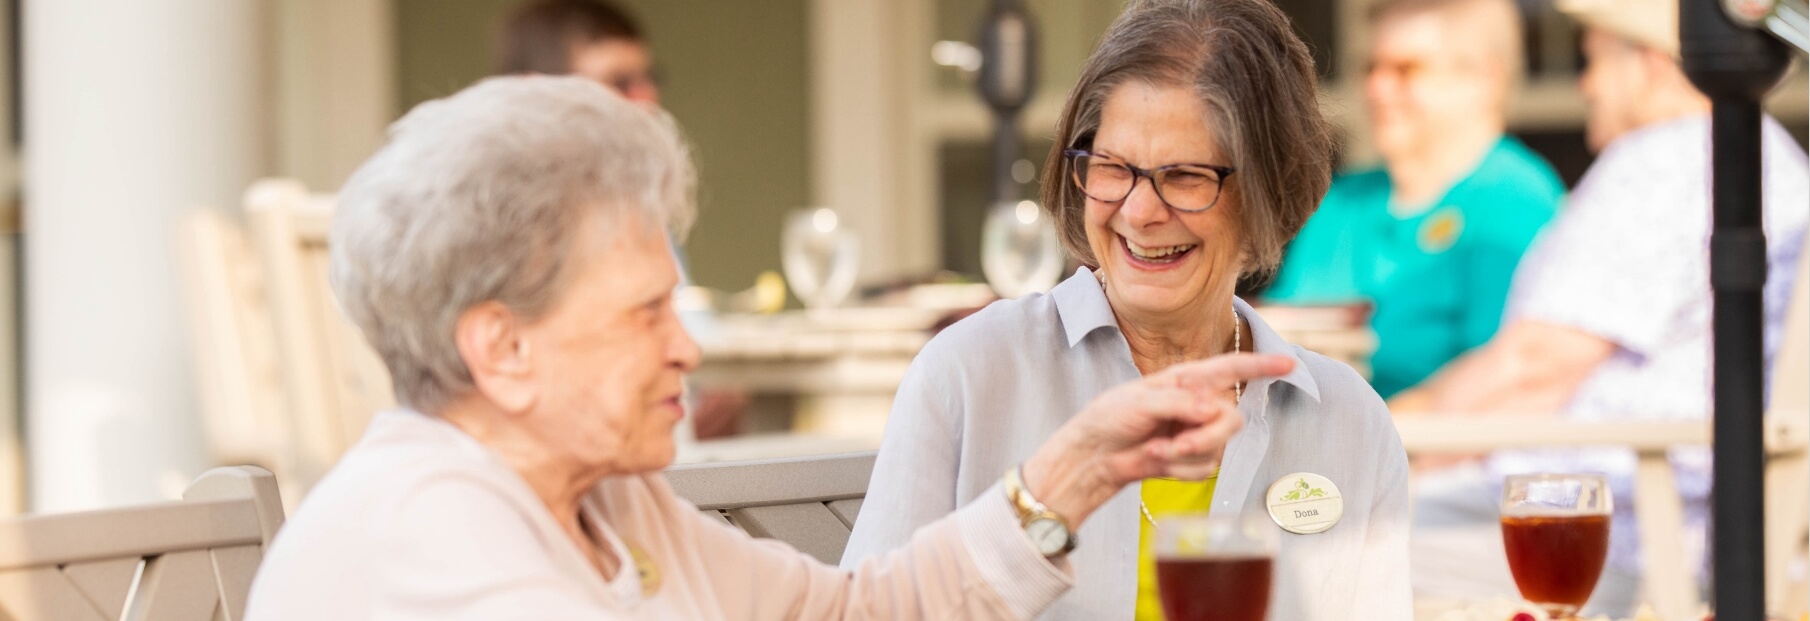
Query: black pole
1008, 148
1008, 77
1735, 66
1738, 274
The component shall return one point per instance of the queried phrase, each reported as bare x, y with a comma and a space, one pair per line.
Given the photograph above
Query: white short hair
476, 198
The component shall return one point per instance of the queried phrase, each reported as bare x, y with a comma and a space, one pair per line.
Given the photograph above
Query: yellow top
1164, 497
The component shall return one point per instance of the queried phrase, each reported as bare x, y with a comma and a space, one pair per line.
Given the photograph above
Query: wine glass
1019, 251
1555, 528
819, 257
1214, 567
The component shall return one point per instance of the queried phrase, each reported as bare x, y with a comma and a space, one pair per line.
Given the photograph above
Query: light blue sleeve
914, 477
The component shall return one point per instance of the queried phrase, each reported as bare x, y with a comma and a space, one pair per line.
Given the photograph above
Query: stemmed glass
819, 256
1213, 567
1555, 528
1019, 250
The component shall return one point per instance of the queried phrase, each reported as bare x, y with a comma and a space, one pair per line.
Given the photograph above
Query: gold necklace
1237, 389
645, 567
1237, 392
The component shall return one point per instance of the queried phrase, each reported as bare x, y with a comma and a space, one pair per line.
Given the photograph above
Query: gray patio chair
186, 560
809, 502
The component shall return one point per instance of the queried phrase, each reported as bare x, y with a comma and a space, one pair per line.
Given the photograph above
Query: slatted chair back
185, 560
238, 373
333, 380
808, 502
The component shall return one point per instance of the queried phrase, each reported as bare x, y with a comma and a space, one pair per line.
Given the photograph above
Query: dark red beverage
1214, 589
1556, 560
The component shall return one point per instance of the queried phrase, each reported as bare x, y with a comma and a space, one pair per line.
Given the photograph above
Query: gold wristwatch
1049, 532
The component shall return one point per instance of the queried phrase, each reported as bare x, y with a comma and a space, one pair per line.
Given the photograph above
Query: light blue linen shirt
987, 392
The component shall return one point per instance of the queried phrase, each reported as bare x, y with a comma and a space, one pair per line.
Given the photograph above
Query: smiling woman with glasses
1188, 155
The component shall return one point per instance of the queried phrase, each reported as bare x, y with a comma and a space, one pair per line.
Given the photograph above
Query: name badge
1305, 503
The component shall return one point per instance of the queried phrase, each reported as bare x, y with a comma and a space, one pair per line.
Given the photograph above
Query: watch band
1030, 510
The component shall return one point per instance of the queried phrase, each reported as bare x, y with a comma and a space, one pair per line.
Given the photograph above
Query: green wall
733, 73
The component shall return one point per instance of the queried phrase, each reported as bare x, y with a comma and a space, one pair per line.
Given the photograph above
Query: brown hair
539, 37
1257, 80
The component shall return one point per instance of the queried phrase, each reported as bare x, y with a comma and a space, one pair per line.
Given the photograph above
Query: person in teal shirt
1433, 236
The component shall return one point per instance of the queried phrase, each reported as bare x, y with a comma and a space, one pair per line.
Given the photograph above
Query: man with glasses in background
587, 38
1431, 237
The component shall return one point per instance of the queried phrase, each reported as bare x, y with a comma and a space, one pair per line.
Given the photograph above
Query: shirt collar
1083, 308
1266, 341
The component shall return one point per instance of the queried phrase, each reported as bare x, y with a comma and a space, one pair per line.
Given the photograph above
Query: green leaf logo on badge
1305, 503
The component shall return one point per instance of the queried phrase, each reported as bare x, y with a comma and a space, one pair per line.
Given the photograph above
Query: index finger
1224, 372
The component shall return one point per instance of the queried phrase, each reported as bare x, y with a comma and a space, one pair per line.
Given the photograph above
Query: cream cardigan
420, 521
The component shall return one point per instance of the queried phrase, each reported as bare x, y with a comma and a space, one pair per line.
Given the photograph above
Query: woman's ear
498, 355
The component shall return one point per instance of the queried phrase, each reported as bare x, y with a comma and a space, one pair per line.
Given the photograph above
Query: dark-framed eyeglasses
1188, 188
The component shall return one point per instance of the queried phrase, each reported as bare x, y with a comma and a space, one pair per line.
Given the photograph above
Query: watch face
1049, 536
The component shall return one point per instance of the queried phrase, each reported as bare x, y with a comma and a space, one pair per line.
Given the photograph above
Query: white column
870, 66
134, 112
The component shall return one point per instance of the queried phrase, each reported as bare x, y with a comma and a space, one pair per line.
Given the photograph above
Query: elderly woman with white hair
506, 254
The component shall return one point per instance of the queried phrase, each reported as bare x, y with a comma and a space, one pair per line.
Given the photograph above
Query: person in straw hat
1609, 316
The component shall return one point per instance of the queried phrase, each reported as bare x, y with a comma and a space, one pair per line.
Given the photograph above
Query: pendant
646, 568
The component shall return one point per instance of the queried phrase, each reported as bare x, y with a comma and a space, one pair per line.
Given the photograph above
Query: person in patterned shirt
1609, 316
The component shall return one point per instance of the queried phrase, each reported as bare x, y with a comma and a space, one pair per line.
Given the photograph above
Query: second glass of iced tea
1555, 528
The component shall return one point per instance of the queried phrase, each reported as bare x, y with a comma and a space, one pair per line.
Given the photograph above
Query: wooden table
843, 365
840, 367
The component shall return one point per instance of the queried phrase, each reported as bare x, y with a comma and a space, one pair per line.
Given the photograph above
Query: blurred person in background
587, 38
1189, 152
507, 255
1609, 318
597, 40
1431, 237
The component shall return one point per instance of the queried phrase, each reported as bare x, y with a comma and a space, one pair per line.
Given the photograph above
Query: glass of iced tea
1555, 528
1212, 568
